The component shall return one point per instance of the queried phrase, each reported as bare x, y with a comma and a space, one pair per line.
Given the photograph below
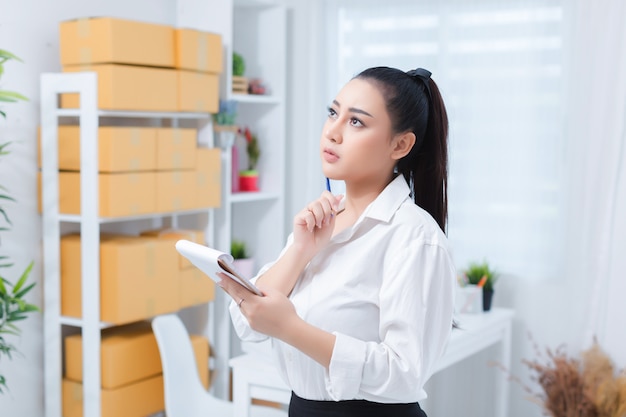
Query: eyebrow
353, 109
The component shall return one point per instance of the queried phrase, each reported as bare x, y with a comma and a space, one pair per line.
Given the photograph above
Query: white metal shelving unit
259, 34
89, 116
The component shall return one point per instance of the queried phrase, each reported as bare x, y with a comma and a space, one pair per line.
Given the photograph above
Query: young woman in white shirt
360, 301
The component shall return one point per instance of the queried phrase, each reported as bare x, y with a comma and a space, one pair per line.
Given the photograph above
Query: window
499, 65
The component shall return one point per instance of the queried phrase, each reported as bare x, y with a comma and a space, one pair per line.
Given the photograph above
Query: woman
360, 300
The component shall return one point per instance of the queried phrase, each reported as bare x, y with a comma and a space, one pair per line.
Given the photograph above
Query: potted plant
13, 306
475, 272
224, 123
248, 179
243, 263
240, 83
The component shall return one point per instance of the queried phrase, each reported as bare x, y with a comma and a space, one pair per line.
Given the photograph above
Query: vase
487, 298
225, 135
248, 181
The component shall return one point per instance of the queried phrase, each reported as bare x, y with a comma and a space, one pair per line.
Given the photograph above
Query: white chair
185, 395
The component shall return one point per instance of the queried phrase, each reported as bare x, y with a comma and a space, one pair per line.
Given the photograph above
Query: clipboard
211, 261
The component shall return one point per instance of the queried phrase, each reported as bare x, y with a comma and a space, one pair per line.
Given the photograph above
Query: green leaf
24, 291
3, 288
5, 215
6, 55
4, 145
22, 280
11, 96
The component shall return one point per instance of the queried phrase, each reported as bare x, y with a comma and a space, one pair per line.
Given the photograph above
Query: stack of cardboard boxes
144, 66
141, 170
131, 372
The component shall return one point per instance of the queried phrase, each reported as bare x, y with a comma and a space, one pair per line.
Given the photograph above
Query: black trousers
299, 407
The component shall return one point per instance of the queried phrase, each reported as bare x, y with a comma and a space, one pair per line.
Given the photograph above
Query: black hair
414, 104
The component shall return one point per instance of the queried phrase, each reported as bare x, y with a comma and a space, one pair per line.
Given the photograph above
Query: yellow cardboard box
198, 92
126, 87
198, 51
138, 278
176, 148
195, 288
120, 149
128, 354
111, 40
175, 190
120, 194
208, 178
141, 398
174, 235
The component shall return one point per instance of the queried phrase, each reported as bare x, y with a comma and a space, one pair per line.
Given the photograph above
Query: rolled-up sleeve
416, 309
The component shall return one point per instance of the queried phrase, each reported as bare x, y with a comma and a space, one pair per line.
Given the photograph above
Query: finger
231, 287
307, 219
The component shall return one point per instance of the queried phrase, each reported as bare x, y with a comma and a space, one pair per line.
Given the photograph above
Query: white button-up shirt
385, 288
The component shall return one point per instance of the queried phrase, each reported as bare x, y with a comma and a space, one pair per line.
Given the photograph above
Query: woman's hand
313, 225
273, 314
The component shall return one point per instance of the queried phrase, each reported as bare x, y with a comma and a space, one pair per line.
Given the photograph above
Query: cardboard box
129, 354
174, 235
120, 149
138, 277
175, 191
176, 149
198, 51
195, 288
198, 92
138, 399
111, 40
125, 87
208, 178
120, 194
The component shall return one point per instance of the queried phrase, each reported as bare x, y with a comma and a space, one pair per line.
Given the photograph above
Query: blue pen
328, 185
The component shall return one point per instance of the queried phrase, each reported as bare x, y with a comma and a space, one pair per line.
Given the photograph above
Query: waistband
300, 407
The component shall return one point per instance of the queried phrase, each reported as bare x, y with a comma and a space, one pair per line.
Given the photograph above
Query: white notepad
211, 261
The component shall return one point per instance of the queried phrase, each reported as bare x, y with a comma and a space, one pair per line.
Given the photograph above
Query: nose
332, 131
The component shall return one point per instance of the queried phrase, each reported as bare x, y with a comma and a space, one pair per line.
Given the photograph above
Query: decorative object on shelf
243, 263
13, 306
248, 179
586, 386
477, 272
224, 123
257, 86
240, 83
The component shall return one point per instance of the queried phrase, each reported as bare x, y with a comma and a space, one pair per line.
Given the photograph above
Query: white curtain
597, 155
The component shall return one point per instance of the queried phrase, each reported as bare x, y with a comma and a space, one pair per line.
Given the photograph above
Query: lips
330, 156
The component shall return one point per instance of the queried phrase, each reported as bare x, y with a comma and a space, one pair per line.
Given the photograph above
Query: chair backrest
184, 392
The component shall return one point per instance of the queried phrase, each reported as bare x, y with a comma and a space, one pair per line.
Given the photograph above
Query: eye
332, 113
356, 122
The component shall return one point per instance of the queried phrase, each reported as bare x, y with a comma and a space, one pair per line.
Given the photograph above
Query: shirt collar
389, 200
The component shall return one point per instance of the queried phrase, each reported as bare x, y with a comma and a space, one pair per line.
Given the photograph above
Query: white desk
259, 379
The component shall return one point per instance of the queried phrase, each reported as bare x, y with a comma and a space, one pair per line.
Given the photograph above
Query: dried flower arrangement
589, 386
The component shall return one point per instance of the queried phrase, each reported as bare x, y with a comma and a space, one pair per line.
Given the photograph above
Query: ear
402, 144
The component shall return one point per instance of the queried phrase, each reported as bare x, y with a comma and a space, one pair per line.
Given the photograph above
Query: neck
359, 194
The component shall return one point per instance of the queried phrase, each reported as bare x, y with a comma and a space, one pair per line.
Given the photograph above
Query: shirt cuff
344, 374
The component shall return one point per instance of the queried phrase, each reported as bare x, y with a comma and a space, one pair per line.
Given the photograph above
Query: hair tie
424, 75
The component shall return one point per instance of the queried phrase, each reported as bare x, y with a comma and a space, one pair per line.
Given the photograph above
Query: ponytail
414, 104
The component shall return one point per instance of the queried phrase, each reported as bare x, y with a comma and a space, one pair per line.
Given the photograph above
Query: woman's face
356, 142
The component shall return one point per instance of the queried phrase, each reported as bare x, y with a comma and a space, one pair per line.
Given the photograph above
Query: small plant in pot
243, 263
475, 272
249, 179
